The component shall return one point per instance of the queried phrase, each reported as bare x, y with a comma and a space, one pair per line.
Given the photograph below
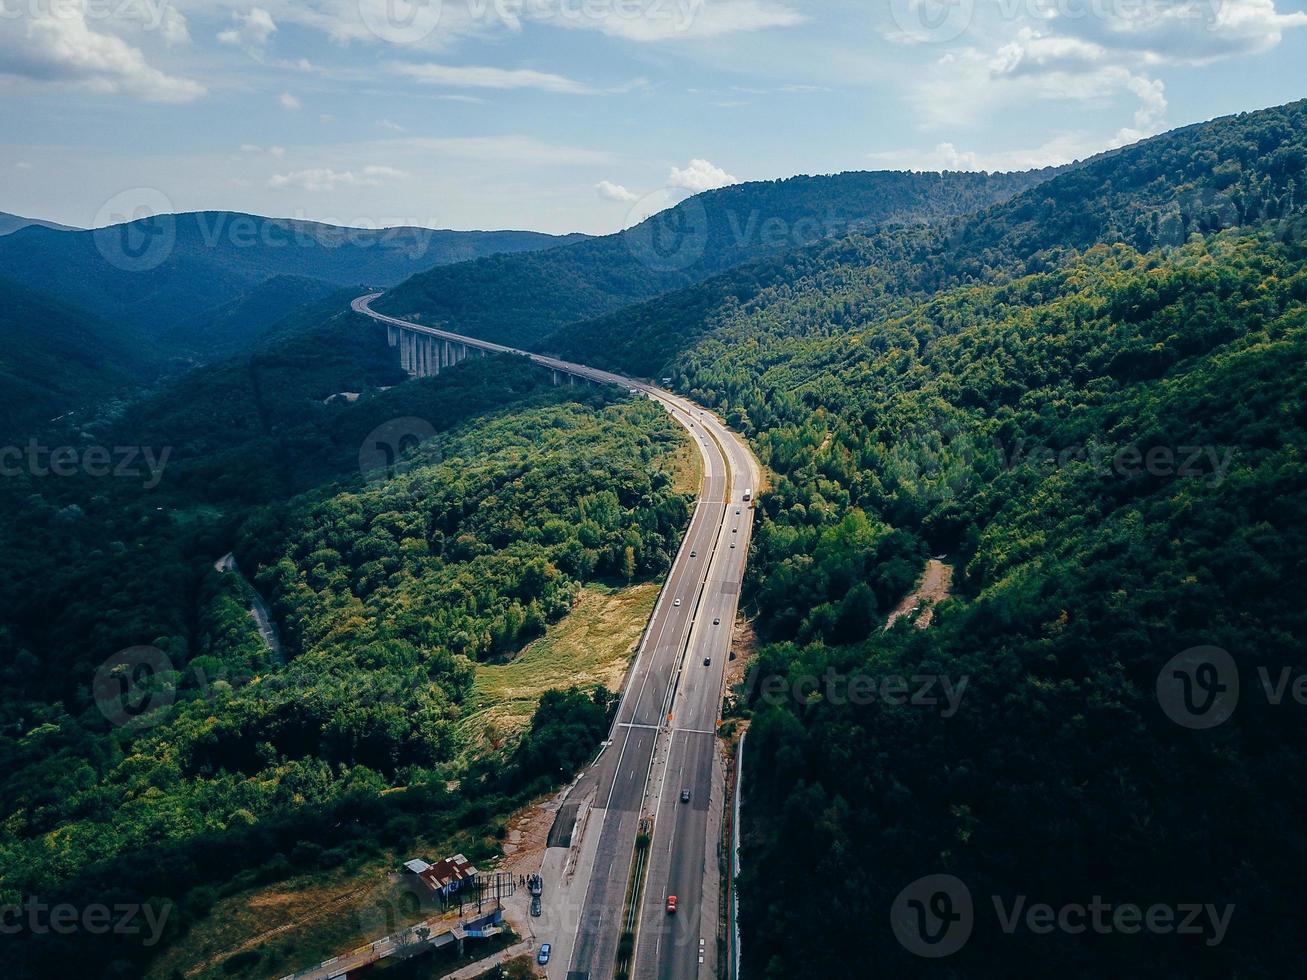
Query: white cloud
479, 76
326, 179
394, 127
699, 176
252, 29
251, 148
277, 151
288, 101
614, 192
1193, 32
326, 118
1058, 151
60, 48
652, 22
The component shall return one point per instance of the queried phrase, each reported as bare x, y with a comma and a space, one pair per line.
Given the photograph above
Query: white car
676, 602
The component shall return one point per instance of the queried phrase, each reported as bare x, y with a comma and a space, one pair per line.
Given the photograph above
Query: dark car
685, 796
707, 661
543, 957
535, 905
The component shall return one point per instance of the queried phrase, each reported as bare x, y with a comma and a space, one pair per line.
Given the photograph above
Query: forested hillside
56, 358
1236, 171
1089, 401
387, 586
519, 299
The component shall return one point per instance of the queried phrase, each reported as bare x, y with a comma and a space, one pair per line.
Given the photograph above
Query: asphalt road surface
670, 693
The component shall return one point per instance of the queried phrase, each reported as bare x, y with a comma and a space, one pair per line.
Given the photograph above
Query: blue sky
582, 115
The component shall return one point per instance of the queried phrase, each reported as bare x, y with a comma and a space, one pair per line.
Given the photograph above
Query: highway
669, 680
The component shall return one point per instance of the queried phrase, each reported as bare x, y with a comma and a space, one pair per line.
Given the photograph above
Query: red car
671, 904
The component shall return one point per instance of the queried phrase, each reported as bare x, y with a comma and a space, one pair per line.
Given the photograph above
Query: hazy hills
158, 272
10, 223
521, 298
89, 312
1231, 172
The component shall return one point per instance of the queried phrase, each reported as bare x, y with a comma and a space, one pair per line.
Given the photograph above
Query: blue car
543, 956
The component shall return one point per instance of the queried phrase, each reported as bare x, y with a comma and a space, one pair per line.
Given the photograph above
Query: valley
447, 559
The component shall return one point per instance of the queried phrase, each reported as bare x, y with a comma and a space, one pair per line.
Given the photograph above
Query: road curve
668, 713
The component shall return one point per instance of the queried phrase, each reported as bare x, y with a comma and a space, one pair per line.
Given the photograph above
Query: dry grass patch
592, 644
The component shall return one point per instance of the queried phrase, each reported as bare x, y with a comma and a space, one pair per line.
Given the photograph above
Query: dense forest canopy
1090, 402
1238, 171
387, 586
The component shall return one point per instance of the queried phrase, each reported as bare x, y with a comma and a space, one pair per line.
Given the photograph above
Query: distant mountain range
10, 223
520, 298
90, 313
158, 272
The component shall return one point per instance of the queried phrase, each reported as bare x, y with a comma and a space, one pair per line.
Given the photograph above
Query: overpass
424, 351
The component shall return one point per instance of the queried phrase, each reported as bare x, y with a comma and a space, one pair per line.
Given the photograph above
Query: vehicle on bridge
671, 904
748, 494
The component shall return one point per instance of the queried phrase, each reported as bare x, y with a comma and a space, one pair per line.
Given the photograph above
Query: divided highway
663, 741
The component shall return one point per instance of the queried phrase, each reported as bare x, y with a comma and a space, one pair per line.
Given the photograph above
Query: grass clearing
592, 644
684, 464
